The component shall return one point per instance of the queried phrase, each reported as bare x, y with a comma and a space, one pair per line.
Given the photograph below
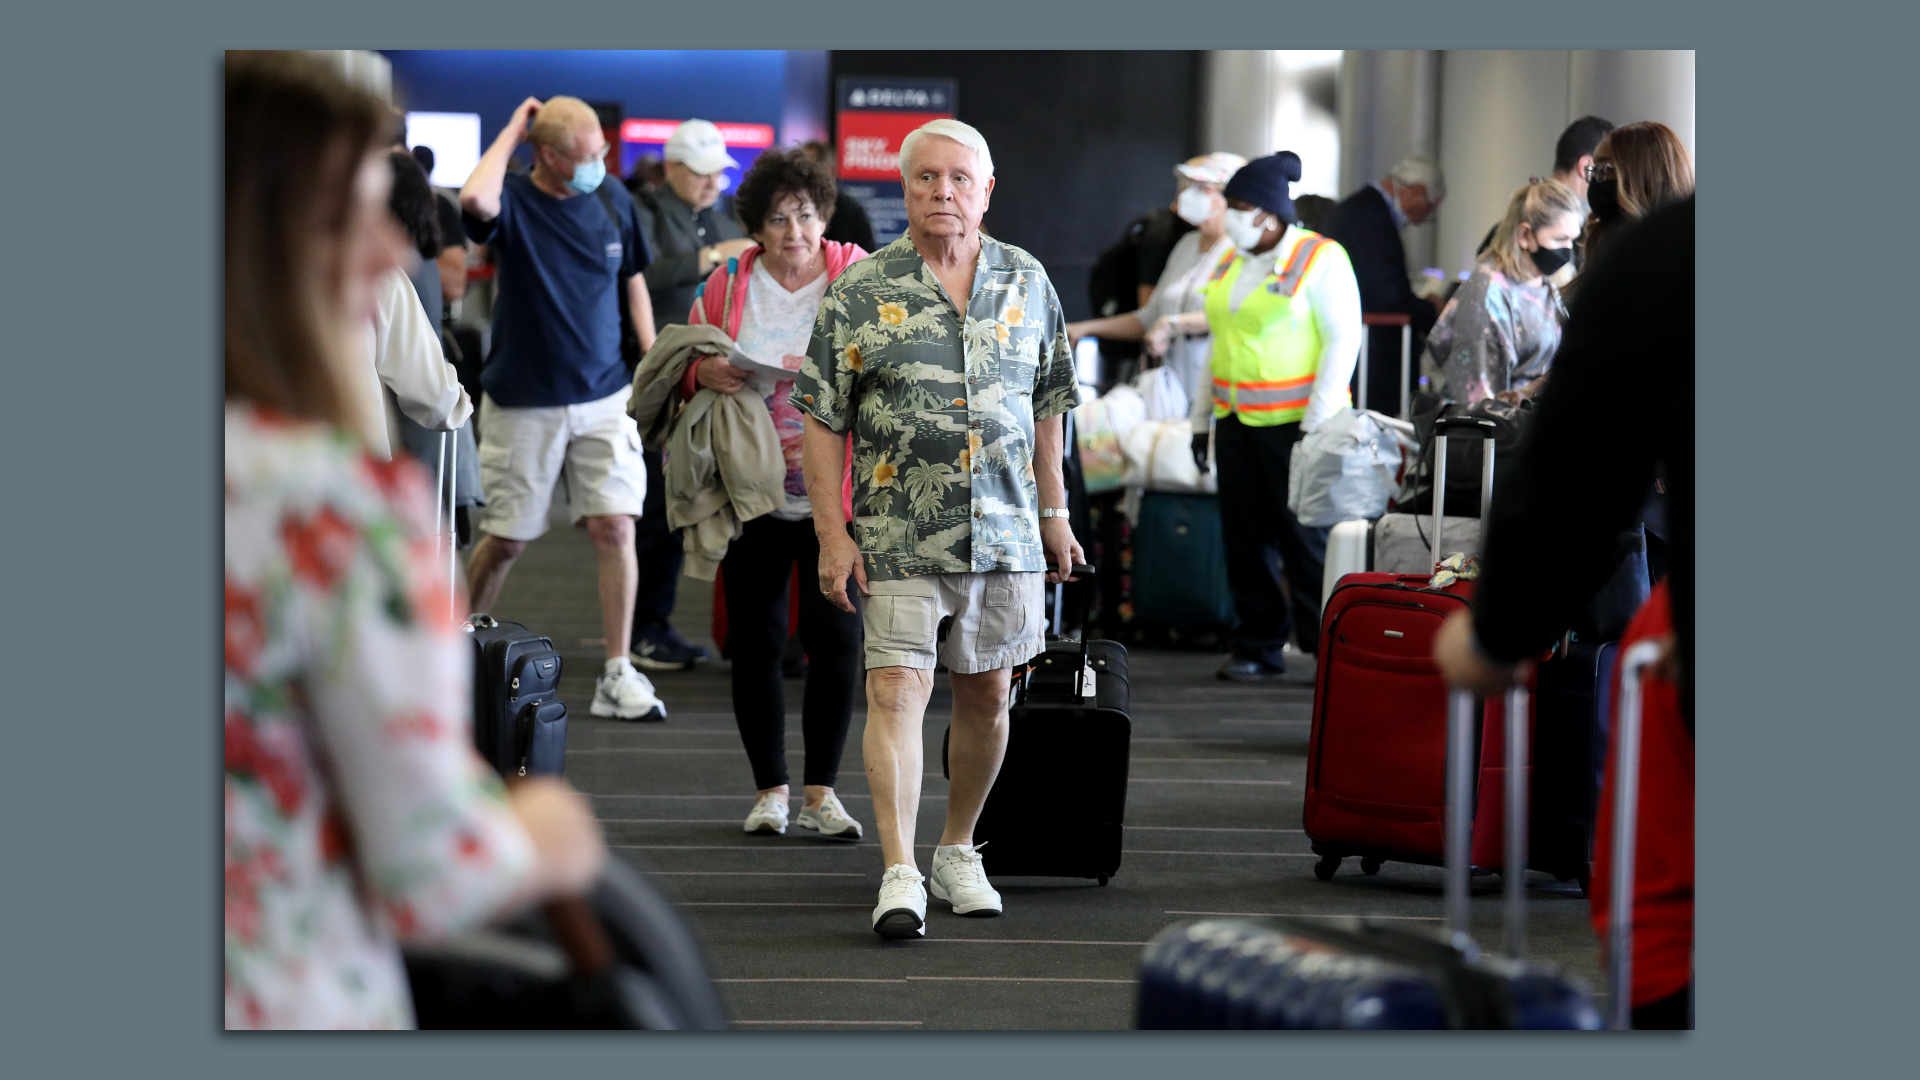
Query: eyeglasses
1598, 171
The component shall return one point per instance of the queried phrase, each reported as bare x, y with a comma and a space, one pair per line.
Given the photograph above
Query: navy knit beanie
1263, 182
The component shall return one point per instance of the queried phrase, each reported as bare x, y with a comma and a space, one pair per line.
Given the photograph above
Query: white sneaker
769, 817
902, 911
959, 878
625, 693
829, 819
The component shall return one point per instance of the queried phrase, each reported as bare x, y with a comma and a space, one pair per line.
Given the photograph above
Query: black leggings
757, 569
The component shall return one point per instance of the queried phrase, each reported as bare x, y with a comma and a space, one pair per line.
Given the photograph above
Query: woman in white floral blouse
357, 814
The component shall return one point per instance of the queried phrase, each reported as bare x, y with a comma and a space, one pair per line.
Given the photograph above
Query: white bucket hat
697, 145
1215, 168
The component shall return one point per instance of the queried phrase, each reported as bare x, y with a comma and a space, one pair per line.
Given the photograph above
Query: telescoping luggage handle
1459, 823
1626, 822
445, 486
1465, 425
1024, 683
1405, 323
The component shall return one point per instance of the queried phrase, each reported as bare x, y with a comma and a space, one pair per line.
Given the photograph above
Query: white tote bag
1160, 390
1160, 458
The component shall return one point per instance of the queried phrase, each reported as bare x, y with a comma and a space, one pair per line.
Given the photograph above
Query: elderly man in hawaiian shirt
945, 354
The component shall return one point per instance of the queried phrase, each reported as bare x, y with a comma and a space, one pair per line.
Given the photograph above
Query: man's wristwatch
1051, 512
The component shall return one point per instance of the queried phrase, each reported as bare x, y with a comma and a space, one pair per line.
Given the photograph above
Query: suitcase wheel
1325, 868
1103, 879
1370, 866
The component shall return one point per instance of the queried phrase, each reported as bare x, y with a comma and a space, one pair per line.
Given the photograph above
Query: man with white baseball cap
688, 237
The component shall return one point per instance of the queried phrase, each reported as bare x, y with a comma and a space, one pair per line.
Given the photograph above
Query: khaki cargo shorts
997, 620
525, 452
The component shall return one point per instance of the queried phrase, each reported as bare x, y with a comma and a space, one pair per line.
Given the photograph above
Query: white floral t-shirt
774, 325
357, 813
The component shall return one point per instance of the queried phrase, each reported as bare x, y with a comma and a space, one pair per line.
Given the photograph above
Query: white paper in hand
761, 375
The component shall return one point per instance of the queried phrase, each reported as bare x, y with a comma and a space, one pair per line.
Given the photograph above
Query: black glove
1200, 452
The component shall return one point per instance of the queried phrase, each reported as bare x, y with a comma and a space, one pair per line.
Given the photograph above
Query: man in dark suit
1368, 225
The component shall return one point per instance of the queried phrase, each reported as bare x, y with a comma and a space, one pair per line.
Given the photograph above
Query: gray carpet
1213, 825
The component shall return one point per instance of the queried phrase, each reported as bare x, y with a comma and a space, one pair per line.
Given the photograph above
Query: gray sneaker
829, 819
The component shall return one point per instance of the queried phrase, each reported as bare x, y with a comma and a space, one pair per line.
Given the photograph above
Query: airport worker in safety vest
1283, 310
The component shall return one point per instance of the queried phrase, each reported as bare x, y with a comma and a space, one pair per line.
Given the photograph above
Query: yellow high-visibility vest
1265, 355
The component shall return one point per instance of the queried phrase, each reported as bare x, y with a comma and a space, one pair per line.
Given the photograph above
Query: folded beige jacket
723, 464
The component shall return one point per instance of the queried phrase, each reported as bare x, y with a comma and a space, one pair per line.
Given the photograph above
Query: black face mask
1604, 197
1549, 260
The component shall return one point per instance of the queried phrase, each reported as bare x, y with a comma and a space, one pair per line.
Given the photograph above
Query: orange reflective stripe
1270, 406
1225, 264
1278, 384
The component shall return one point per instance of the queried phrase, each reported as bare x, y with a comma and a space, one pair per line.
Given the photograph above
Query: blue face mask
587, 176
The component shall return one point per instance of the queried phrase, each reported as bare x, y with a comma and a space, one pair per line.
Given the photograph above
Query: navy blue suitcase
519, 721
1340, 974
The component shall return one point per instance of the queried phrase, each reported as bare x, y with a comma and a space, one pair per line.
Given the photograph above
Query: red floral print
321, 547
245, 633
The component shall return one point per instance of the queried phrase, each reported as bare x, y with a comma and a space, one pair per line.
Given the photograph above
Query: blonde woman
1498, 334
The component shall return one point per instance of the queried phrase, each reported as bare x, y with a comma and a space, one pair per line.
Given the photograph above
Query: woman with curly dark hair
766, 301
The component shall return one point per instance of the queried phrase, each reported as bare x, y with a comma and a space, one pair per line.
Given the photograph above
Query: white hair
964, 134
1421, 172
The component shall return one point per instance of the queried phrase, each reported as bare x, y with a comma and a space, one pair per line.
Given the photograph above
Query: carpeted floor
1213, 825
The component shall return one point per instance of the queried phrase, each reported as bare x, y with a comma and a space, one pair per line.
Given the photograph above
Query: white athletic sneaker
902, 911
960, 880
625, 693
829, 819
769, 817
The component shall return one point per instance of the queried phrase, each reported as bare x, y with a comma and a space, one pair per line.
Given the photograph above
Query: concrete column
1236, 102
1257, 102
1627, 86
1389, 105
1501, 112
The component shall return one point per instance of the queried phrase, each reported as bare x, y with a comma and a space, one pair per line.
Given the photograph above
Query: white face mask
1194, 206
1243, 230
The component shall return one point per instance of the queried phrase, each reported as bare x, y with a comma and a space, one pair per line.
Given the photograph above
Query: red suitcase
1376, 759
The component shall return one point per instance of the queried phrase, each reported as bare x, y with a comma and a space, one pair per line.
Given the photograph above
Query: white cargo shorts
998, 620
523, 453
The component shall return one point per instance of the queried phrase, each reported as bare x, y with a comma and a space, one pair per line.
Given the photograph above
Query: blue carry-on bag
1352, 973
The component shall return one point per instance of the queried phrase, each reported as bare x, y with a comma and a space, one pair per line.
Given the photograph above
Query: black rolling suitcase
1057, 806
1353, 973
519, 722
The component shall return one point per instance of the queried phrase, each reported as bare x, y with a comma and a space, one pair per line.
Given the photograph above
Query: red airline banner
870, 142
749, 136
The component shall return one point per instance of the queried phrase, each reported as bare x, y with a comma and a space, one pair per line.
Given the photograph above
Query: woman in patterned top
357, 814
767, 303
1498, 334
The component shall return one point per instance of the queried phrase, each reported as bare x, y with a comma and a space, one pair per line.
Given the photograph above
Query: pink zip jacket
723, 299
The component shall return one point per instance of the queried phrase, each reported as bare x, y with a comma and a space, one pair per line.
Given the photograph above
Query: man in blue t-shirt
555, 388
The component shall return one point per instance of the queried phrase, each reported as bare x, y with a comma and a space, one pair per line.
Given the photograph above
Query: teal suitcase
1180, 562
